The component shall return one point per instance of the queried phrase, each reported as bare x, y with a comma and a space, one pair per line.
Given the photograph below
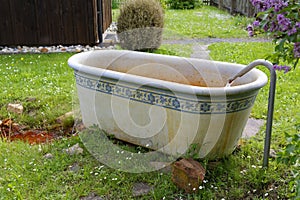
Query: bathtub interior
196, 72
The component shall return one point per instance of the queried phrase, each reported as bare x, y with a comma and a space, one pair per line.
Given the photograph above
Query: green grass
201, 23
44, 84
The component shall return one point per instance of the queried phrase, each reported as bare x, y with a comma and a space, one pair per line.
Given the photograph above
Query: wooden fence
243, 7
53, 22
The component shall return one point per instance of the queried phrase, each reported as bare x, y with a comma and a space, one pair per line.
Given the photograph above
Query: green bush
184, 4
163, 4
140, 25
115, 4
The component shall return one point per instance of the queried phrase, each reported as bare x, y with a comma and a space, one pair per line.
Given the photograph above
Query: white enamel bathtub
166, 103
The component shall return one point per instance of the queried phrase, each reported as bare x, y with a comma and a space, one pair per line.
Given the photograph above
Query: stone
62, 118
252, 127
140, 189
75, 167
48, 156
74, 150
272, 153
91, 196
15, 108
44, 50
31, 99
188, 175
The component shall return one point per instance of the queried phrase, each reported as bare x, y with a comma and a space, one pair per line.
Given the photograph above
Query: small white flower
253, 166
267, 194
201, 187
205, 181
194, 189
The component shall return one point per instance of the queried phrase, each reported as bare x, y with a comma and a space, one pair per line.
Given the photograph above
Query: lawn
44, 85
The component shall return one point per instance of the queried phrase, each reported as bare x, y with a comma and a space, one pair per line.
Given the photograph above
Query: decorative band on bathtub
174, 102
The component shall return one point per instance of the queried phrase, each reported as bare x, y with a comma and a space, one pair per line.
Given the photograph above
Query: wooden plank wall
50, 22
243, 7
106, 14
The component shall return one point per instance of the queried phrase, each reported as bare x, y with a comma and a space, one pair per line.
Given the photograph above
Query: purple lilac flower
250, 33
250, 30
283, 22
264, 5
292, 31
266, 27
274, 27
297, 25
279, 5
256, 23
297, 50
284, 68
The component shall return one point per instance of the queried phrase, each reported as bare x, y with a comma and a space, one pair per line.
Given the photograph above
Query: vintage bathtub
171, 104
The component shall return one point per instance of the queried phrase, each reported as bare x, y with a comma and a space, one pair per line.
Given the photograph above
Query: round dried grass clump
140, 25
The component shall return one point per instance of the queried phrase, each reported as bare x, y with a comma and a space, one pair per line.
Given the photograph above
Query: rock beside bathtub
74, 150
140, 189
15, 108
188, 175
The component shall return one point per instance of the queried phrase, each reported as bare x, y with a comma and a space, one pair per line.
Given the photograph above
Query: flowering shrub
280, 20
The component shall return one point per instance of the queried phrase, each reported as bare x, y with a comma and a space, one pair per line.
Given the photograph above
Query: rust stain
194, 79
33, 137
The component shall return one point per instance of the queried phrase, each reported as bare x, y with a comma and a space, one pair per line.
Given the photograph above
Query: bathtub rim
261, 81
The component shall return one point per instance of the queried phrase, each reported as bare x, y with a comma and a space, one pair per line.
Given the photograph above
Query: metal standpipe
270, 102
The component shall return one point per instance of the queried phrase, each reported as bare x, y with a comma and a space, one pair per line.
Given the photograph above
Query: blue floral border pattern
145, 95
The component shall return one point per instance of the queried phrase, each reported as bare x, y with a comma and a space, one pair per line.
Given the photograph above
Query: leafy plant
115, 4
140, 25
280, 20
291, 156
184, 4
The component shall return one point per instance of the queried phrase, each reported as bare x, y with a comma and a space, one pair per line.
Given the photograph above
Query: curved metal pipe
270, 101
